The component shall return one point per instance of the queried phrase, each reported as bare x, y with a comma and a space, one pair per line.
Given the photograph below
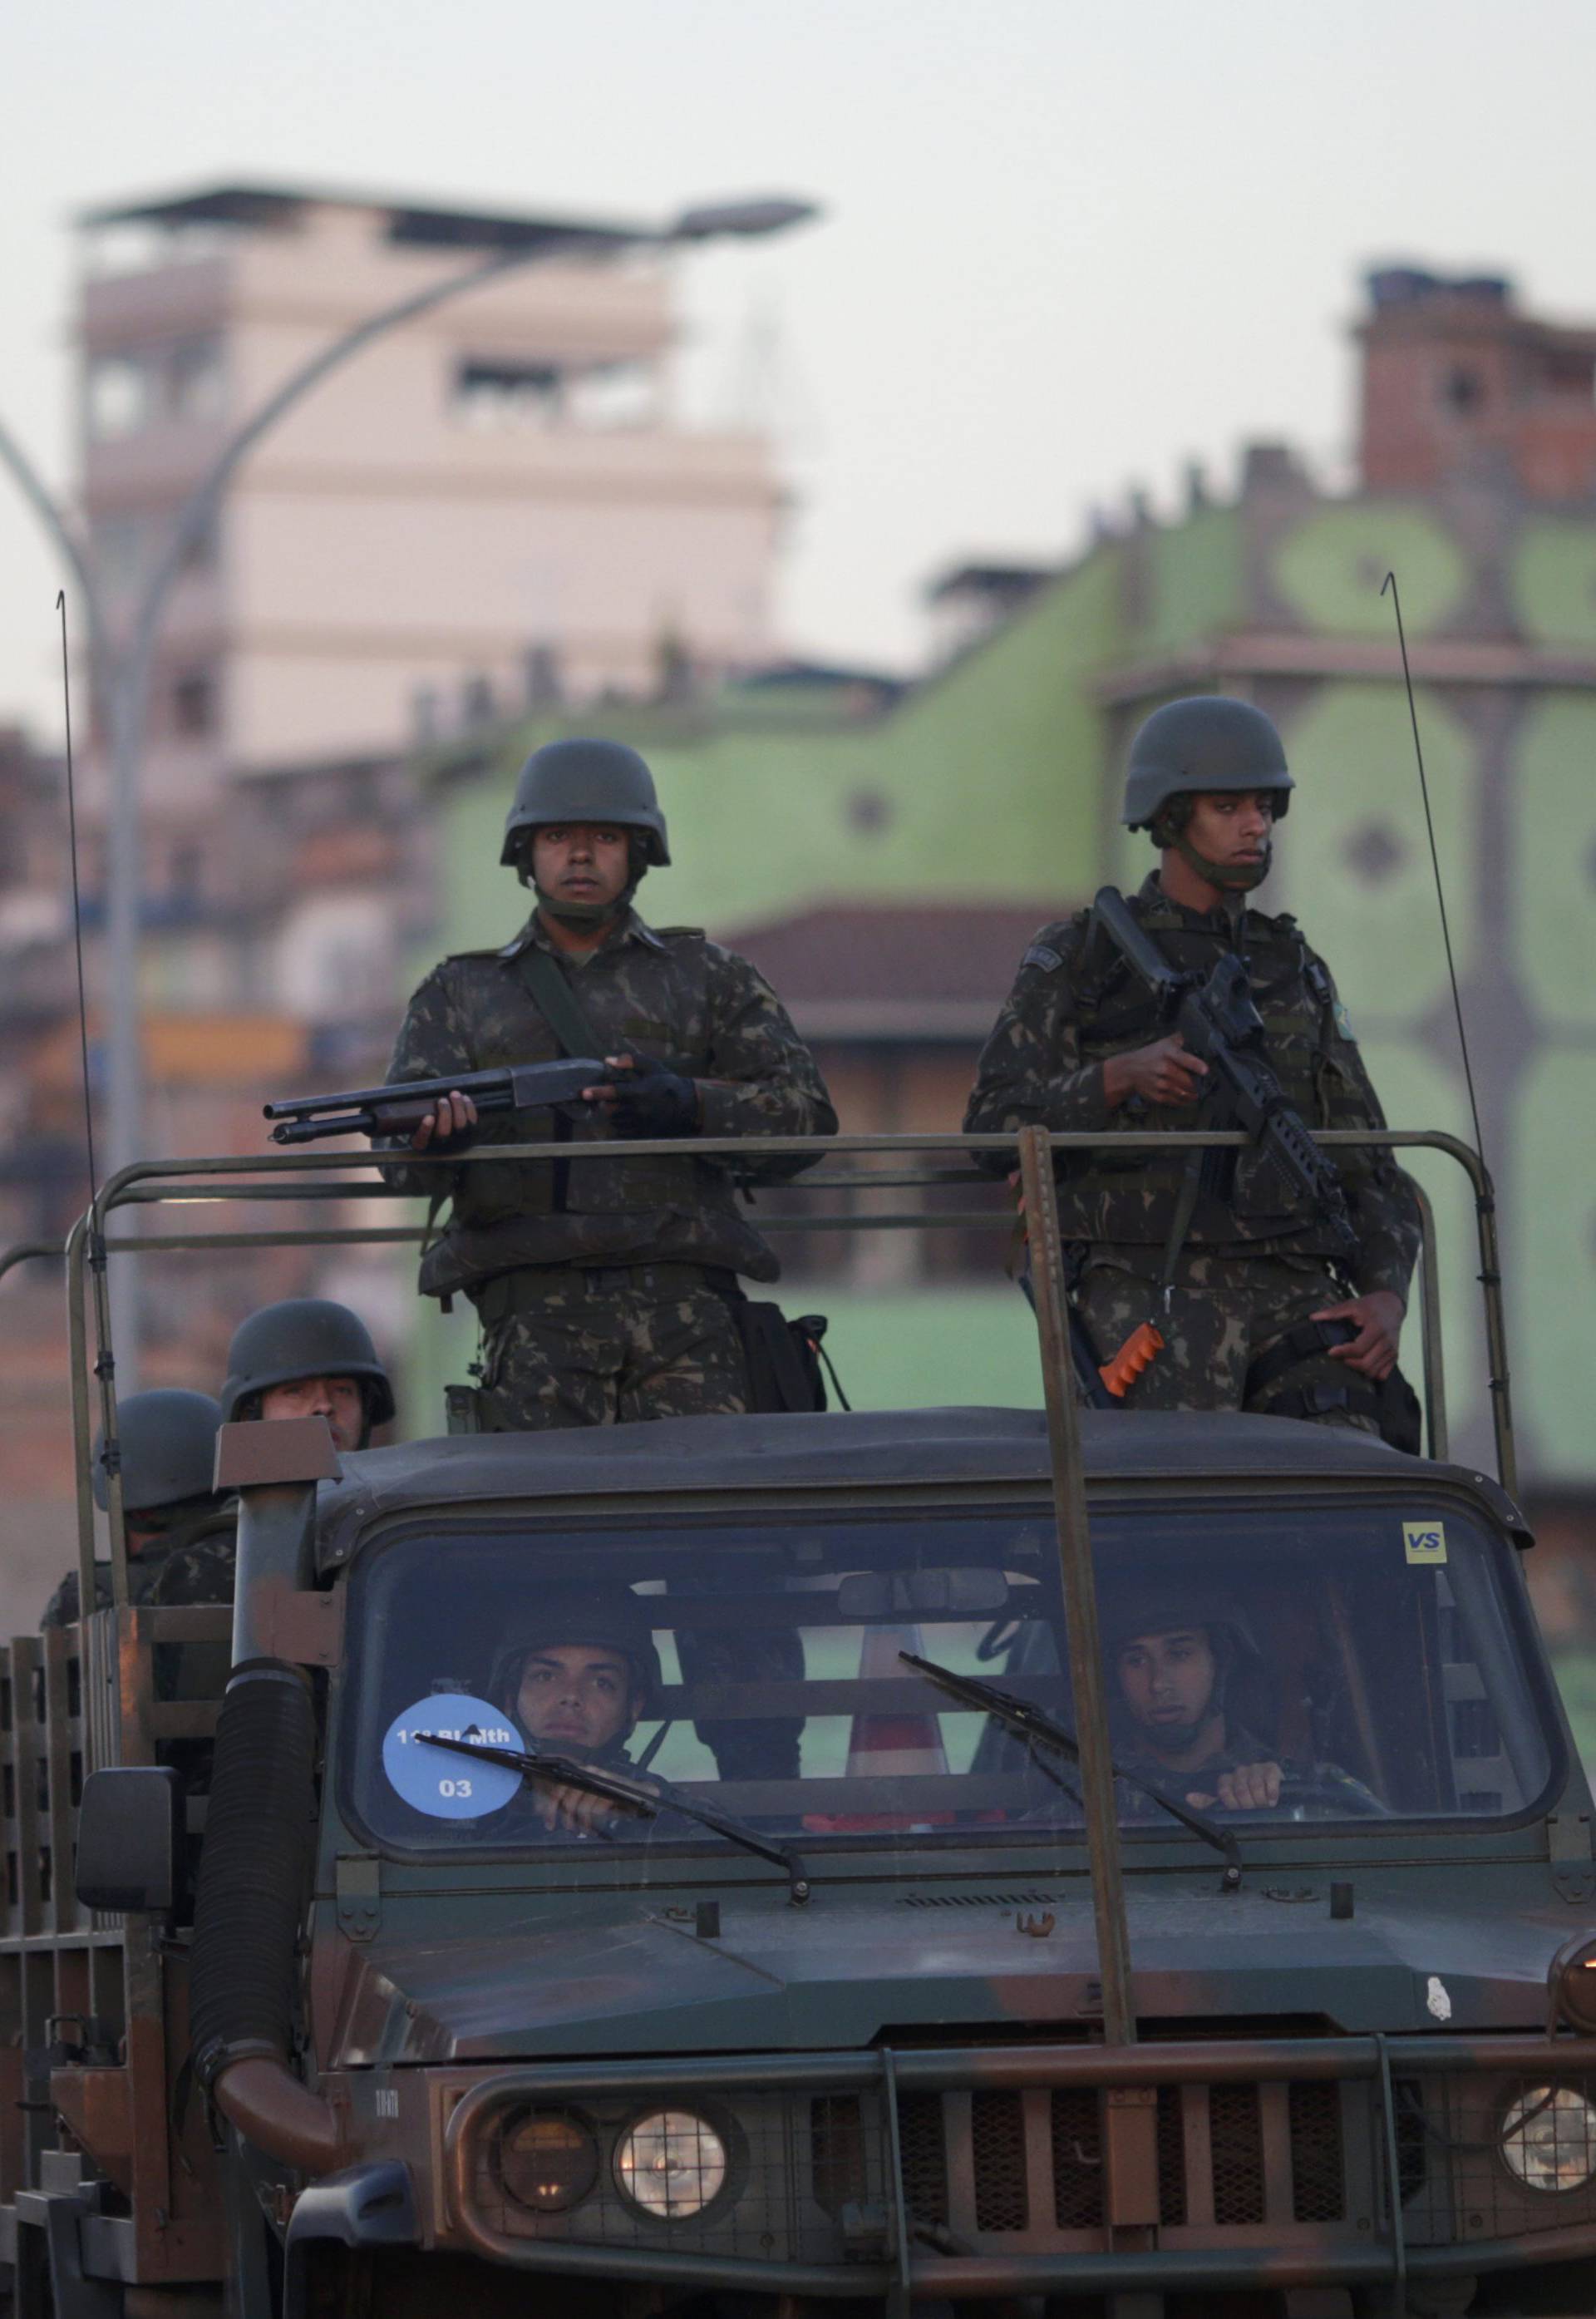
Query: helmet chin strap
581, 914
1229, 876
584, 916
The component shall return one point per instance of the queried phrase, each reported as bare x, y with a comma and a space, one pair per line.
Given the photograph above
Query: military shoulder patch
1041, 954
1344, 1020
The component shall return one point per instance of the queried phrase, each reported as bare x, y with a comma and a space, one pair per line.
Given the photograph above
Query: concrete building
491, 506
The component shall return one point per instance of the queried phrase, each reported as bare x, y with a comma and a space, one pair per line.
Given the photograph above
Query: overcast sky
1067, 247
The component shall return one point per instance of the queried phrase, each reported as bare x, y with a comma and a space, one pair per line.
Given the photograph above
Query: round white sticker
440, 1781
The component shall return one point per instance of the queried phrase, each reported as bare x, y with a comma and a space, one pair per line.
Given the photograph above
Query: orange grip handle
1138, 1351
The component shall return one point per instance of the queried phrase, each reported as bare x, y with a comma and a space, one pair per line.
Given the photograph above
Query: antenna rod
89, 1109
104, 1364
1389, 584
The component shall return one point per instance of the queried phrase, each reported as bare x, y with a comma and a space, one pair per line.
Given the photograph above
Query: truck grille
1030, 2164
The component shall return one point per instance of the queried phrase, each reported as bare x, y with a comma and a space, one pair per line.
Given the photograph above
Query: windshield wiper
1029, 1723
646, 1796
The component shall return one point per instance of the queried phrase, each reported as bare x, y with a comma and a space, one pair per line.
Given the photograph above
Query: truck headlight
670, 2163
1571, 1983
1548, 2138
545, 2159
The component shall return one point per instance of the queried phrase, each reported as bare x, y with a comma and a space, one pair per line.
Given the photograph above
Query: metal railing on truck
341, 1176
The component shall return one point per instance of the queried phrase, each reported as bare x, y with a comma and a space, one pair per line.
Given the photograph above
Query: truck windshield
1343, 1664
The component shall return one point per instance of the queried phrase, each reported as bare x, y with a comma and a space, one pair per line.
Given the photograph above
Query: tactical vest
633, 1207
1109, 1197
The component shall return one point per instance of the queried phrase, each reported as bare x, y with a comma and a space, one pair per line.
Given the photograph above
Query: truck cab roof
869, 1450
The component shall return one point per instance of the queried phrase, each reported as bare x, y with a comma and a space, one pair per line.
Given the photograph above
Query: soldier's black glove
653, 1100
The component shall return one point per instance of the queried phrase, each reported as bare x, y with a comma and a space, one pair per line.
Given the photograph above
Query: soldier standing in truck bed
605, 1289
308, 1356
1240, 1286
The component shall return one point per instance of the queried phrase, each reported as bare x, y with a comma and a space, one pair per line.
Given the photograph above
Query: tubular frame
231, 1178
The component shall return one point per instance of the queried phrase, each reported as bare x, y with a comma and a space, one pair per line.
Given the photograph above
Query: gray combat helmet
590, 781
304, 1337
167, 1447
606, 1618
1208, 741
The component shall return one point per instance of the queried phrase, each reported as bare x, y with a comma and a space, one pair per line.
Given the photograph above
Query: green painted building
994, 783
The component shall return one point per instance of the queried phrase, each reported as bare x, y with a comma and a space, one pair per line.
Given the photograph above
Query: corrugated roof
936, 969
437, 224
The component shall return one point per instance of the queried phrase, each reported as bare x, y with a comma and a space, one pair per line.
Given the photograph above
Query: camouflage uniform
603, 1288
1251, 1267
193, 1560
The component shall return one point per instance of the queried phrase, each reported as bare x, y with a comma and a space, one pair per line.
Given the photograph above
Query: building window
1465, 390
194, 704
617, 394
490, 394
119, 398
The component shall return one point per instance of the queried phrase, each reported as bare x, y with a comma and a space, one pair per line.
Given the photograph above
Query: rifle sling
557, 1002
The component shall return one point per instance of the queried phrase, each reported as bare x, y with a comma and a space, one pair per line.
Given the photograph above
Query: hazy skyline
1064, 251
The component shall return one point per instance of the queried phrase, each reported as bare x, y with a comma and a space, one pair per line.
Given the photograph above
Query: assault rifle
399, 1110
1218, 1022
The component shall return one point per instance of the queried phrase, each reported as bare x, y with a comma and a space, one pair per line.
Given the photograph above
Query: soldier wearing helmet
605, 1289
1239, 1281
1176, 1660
308, 1356
576, 1681
180, 1530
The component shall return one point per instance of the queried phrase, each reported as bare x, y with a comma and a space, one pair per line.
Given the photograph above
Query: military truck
743, 1866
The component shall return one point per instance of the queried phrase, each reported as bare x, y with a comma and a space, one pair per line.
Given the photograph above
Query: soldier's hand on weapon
648, 1098
1251, 1787
1165, 1072
1378, 1320
454, 1117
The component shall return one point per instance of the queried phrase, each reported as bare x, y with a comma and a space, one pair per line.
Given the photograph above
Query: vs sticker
435, 1780
1425, 1541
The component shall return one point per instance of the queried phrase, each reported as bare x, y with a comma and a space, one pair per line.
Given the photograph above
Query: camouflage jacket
194, 1561
1067, 1013
672, 994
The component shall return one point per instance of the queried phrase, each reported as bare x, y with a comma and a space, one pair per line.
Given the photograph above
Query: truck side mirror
130, 1839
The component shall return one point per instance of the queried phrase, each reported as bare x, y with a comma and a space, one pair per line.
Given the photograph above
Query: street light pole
121, 674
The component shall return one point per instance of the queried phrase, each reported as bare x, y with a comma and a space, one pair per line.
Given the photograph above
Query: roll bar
323, 1176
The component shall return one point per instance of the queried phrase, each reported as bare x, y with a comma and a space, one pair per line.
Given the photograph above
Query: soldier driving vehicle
576, 1682
308, 1356
1276, 1279
605, 1291
180, 1529
1183, 1665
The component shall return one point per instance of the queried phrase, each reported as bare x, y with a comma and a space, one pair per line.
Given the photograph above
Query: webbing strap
557, 1004
1306, 1342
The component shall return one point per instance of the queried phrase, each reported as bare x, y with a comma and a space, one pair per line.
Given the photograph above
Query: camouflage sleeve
762, 1078
434, 1040
61, 1609
1381, 1196
1030, 1073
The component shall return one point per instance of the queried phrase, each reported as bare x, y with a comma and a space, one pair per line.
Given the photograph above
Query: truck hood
546, 1979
